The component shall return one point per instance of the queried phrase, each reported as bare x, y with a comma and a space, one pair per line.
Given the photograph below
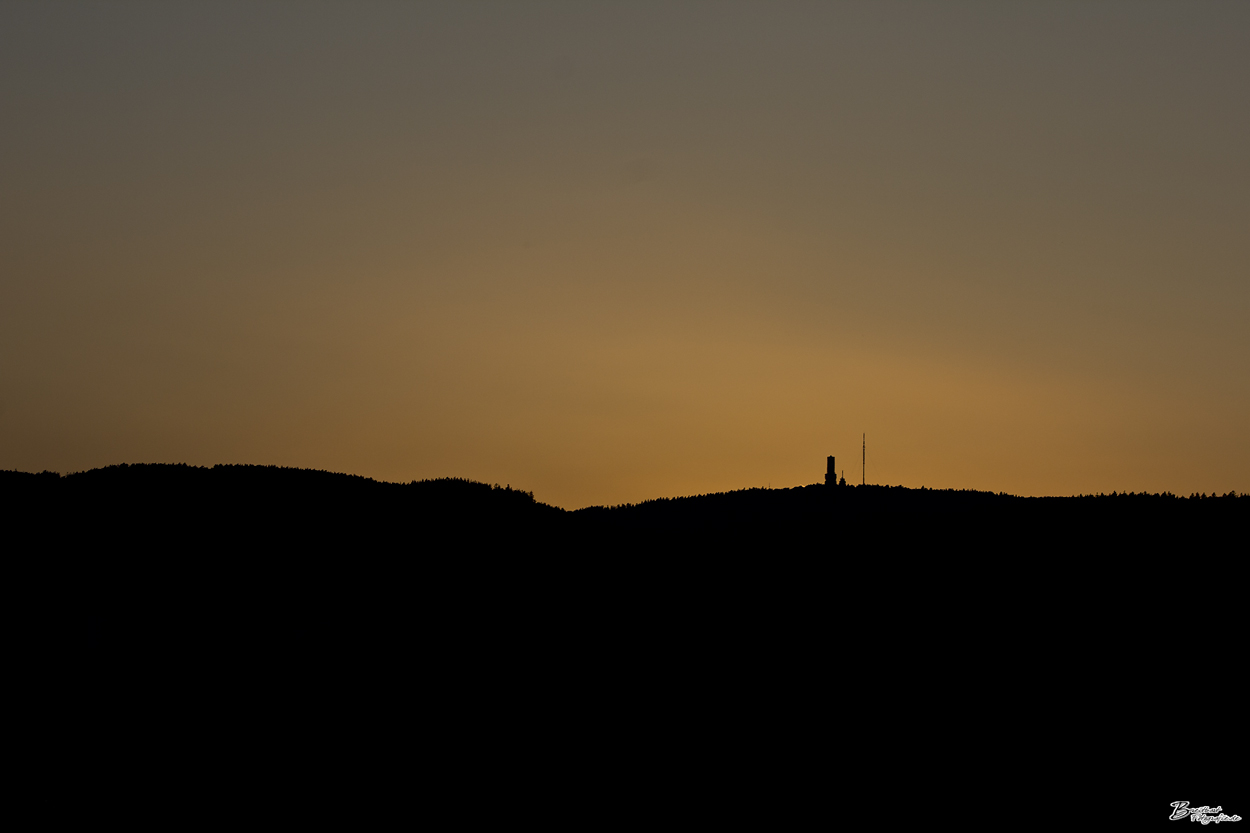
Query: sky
609, 252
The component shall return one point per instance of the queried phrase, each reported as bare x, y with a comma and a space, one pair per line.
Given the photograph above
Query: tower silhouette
831, 473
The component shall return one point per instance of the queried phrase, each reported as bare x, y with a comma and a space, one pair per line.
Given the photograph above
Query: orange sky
631, 250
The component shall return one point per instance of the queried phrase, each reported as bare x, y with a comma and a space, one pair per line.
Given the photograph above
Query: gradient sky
615, 251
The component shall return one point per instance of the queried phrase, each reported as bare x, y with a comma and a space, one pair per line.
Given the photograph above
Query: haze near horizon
614, 252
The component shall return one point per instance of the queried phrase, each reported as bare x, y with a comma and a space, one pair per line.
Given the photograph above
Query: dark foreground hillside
293, 535
282, 614
272, 511
866, 522
258, 508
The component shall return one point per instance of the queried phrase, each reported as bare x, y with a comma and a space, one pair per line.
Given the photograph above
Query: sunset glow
620, 251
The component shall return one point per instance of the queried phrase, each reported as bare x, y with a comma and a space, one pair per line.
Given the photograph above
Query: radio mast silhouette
863, 471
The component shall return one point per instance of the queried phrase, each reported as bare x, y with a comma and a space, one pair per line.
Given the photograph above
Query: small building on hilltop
831, 474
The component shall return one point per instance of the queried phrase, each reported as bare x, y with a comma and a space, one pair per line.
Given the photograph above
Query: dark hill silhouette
244, 507
870, 521
236, 607
281, 510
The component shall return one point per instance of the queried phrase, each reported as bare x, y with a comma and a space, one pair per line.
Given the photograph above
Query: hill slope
237, 508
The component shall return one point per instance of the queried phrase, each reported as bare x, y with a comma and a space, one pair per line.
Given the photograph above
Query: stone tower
831, 474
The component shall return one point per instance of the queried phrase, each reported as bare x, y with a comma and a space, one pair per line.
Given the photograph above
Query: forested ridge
249, 595
149, 506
